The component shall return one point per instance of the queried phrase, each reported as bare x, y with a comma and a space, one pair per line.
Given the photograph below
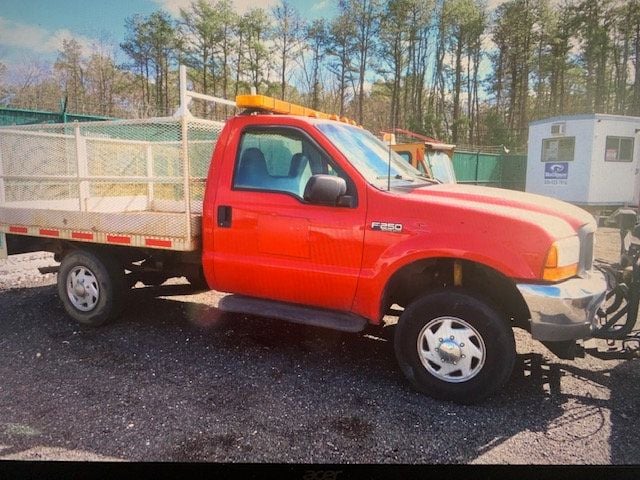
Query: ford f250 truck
306, 217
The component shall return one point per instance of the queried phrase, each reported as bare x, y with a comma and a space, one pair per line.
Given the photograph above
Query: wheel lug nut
462, 356
440, 340
451, 337
462, 344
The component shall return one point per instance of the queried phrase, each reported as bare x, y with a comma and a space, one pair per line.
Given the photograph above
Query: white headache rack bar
184, 115
186, 95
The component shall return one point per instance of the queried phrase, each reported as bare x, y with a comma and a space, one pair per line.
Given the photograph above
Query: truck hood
498, 199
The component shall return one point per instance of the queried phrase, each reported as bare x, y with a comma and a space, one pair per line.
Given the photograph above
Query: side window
619, 149
558, 149
280, 160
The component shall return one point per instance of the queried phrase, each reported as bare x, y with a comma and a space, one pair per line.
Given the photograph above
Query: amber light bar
270, 104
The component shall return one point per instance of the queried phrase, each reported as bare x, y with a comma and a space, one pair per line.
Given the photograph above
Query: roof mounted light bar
252, 102
273, 105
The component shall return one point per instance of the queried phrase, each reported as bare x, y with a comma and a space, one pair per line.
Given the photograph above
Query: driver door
273, 244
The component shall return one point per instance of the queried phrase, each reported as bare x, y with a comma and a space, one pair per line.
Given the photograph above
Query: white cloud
173, 6
15, 35
320, 5
241, 6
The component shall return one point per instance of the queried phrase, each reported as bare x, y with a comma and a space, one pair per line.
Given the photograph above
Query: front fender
376, 274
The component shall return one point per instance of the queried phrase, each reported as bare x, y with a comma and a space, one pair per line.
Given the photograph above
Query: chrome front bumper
565, 310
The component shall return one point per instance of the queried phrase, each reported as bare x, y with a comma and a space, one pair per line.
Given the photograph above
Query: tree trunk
456, 89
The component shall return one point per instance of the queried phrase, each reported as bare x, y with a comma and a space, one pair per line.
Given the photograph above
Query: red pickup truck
313, 220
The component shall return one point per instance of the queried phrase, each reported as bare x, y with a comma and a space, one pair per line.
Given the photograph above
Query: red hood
574, 216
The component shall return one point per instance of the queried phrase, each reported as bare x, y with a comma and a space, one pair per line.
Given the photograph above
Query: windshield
370, 156
441, 167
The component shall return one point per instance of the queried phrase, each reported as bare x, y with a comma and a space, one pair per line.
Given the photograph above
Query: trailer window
558, 149
619, 149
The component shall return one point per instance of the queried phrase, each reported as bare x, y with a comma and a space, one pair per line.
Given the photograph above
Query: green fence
494, 170
14, 116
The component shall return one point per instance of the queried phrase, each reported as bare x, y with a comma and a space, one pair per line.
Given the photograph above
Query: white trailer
590, 160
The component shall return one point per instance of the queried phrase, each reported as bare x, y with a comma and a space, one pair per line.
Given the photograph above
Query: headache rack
129, 182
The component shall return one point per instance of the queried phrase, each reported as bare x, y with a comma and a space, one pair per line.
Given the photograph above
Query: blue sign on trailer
556, 173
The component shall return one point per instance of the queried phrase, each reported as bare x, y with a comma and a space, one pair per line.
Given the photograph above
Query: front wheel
91, 287
454, 345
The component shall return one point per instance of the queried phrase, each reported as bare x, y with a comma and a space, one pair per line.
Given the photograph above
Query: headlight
562, 259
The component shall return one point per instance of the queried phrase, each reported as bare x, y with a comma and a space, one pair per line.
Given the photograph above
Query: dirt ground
177, 380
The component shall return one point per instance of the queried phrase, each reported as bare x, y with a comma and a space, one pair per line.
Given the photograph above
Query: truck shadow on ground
176, 379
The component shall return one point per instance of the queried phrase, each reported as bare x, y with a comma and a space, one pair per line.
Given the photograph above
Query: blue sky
35, 28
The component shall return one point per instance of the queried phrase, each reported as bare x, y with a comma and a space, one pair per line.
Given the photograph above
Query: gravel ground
177, 380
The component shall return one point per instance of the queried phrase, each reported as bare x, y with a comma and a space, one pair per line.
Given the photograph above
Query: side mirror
324, 189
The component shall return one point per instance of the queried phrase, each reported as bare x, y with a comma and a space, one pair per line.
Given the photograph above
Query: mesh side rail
111, 160
120, 167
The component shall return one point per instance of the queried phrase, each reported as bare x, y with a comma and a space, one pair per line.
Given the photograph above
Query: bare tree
255, 28
69, 66
365, 16
340, 50
200, 31
287, 36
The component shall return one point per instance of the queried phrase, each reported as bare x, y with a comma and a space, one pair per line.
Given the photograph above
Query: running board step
317, 317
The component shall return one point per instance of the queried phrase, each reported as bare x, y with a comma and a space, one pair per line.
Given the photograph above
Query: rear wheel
197, 279
454, 345
91, 287
153, 279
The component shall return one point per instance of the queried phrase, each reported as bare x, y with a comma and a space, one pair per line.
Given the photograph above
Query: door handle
224, 216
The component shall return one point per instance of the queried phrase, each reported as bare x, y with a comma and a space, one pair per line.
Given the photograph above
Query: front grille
586, 233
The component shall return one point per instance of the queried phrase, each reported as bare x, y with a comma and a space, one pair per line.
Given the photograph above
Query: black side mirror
324, 189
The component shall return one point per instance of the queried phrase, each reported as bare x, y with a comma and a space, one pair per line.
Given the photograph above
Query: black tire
102, 299
153, 279
484, 364
197, 280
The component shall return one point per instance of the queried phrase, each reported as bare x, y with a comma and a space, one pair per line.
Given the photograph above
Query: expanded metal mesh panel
27, 191
96, 162
25, 153
116, 158
37, 155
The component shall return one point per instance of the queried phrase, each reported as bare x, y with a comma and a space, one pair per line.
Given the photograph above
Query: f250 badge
387, 227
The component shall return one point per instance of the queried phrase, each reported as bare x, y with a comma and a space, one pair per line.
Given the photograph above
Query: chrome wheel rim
82, 288
451, 349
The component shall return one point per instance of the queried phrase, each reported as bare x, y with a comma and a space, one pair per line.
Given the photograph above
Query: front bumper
565, 310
